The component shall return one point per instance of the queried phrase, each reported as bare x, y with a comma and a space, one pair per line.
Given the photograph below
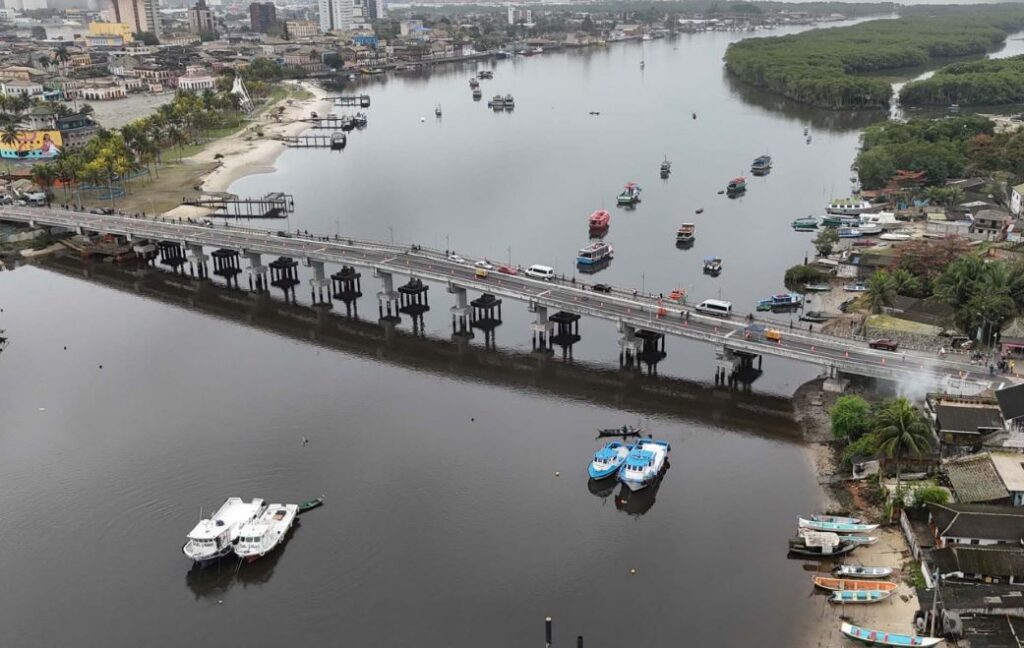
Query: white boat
858, 571
835, 527
821, 517
882, 638
215, 536
644, 464
860, 286
885, 220
848, 206
261, 536
848, 232
898, 235
869, 228
857, 596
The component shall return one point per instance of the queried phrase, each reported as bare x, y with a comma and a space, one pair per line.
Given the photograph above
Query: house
1017, 200
153, 73
975, 480
102, 90
76, 130
939, 225
976, 524
40, 117
1010, 468
962, 423
861, 265
21, 88
991, 223
970, 599
998, 564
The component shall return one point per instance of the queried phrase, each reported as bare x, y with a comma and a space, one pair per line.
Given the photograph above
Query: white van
547, 273
716, 307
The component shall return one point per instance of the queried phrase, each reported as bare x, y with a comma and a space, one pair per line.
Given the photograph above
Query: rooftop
969, 418
982, 521
964, 597
993, 631
1010, 468
975, 479
1002, 561
1011, 401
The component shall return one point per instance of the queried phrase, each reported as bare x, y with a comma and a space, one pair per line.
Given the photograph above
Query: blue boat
859, 596
594, 254
644, 464
780, 301
881, 638
608, 460
835, 527
761, 165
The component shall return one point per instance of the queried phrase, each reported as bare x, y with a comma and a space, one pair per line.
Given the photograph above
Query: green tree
881, 291
826, 240
926, 495
904, 282
147, 38
851, 418
902, 429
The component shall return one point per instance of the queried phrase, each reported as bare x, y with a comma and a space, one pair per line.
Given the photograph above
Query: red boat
599, 220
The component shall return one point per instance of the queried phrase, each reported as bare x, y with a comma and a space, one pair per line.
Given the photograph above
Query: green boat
805, 224
832, 221
309, 505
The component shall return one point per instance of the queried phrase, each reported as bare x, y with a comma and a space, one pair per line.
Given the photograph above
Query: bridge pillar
225, 264
197, 260
387, 298
144, 251
629, 345
171, 254
257, 272
346, 285
317, 283
486, 316
460, 311
567, 331
652, 350
412, 299
284, 274
541, 328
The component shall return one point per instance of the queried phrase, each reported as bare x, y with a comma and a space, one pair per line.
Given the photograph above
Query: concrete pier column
318, 282
540, 328
257, 272
197, 260
387, 298
460, 311
629, 345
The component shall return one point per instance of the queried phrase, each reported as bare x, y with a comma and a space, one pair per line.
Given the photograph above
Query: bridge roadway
840, 355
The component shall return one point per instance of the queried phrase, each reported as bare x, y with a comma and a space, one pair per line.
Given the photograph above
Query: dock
271, 205
362, 101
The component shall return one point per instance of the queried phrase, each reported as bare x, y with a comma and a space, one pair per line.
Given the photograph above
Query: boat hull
879, 638
206, 559
852, 584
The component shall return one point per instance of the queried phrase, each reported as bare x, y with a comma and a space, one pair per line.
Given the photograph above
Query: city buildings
200, 19
262, 16
336, 15
139, 15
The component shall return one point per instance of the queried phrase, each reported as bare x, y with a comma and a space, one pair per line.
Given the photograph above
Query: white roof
1011, 470
232, 513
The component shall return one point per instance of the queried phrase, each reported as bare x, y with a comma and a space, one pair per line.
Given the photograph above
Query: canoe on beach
850, 596
879, 638
851, 584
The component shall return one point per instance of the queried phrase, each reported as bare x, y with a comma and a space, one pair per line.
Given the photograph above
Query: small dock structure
272, 205
363, 101
316, 140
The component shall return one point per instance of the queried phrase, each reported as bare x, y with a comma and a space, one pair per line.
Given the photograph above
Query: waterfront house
21, 88
1011, 405
975, 480
1000, 564
76, 130
962, 423
1017, 200
976, 524
974, 599
991, 224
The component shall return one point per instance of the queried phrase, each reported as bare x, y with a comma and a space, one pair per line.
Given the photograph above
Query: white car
455, 258
484, 264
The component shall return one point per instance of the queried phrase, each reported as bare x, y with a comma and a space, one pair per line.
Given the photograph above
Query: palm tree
904, 281
881, 291
901, 428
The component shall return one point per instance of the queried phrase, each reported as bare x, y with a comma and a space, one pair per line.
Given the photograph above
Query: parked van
547, 273
716, 307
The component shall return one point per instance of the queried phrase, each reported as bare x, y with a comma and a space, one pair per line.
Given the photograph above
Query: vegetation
926, 495
801, 274
902, 429
826, 240
851, 418
830, 67
993, 81
983, 294
881, 291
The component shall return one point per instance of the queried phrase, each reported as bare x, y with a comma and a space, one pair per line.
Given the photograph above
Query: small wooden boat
624, 431
713, 266
856, 287
309, 505
861, 539
808, 224
761, 165
820, 545
858, 571
852, 584
817, 287
736, 186
880, 638
685, 233
815, 317
666, 168
630, 195
859, 596
699, 211
818, 517
835, 527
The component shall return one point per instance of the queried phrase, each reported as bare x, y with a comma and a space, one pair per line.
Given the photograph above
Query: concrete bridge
642, 321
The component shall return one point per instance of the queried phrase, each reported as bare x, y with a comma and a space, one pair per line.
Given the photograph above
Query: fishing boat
311, 504
780, 301
824, 517
868, 229
485, 74
885, 220
624, 431
599, 221
848, 206
898, 235
338, 141
594, 254
861, 539
496, 102
817, 287
835, 527
815, 317
685, 233
478, 93
820, 545
860, 286
608, 460
858, 597
736, 186
761, 165
713, 266
805, 224
859, 571
630, 194
510, 103
259, 537
848, 584
437, 110
644, 463
215, 537
848, 232
881, 638
360, 119
473, 83
666, 168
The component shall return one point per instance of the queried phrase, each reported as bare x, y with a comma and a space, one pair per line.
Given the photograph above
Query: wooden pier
272, 205
316, 141
363, 101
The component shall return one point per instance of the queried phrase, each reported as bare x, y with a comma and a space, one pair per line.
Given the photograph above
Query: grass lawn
890, 323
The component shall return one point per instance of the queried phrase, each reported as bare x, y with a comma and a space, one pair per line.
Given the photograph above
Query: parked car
509, 270
455, 258
604, 288
484, 264
538, 271
884, 344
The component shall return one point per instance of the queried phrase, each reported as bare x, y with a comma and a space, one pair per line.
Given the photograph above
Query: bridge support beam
225, 264
171, 254
145, 251
567, 331
346, 285
413, 301
486, 316
197, 260
284, 274
460, 312
257, 272
652, 350
629, 346
387, 298
317, 283
734, 368
541, 328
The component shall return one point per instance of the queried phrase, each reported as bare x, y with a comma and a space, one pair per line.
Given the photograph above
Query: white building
336, 15
1017, 200
519, 15
19, 87
196, 82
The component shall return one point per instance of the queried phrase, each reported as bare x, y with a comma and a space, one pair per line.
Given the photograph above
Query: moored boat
599, 220
898, 235
859, 571
338, 141
861, 539
478, 93
848, 206
780, 301
685, 233
608, 459
666, 168
485, 74
259, 537
761, 165
860, 286
816, 317
644, 463
867, 229
214, 537
713, 266
848, 232
311, 504
736, 186
881, 638
835, 527
594, 254
820, 545
624, 431
510, 103
473, 83
858, 596
847, 584
360, 119
437, 110
497, 101
817, 287
630, 194
808, 224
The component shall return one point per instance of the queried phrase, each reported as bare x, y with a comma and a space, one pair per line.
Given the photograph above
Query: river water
458, 510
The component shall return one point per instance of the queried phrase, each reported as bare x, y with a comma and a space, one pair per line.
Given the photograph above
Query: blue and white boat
858, 596
849, 232
835, 527
820, 517
780, 301
608, 460
860, 540
882, 638
595, 253
644, 464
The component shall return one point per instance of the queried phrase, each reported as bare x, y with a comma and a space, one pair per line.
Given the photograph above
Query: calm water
446, 524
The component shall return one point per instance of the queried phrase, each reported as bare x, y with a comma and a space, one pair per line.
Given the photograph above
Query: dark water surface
445, 522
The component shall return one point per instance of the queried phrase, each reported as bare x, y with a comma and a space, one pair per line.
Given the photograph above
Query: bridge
642, 321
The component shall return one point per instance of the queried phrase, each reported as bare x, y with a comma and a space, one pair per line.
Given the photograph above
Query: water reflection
216, 580
602, 487
639, 502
